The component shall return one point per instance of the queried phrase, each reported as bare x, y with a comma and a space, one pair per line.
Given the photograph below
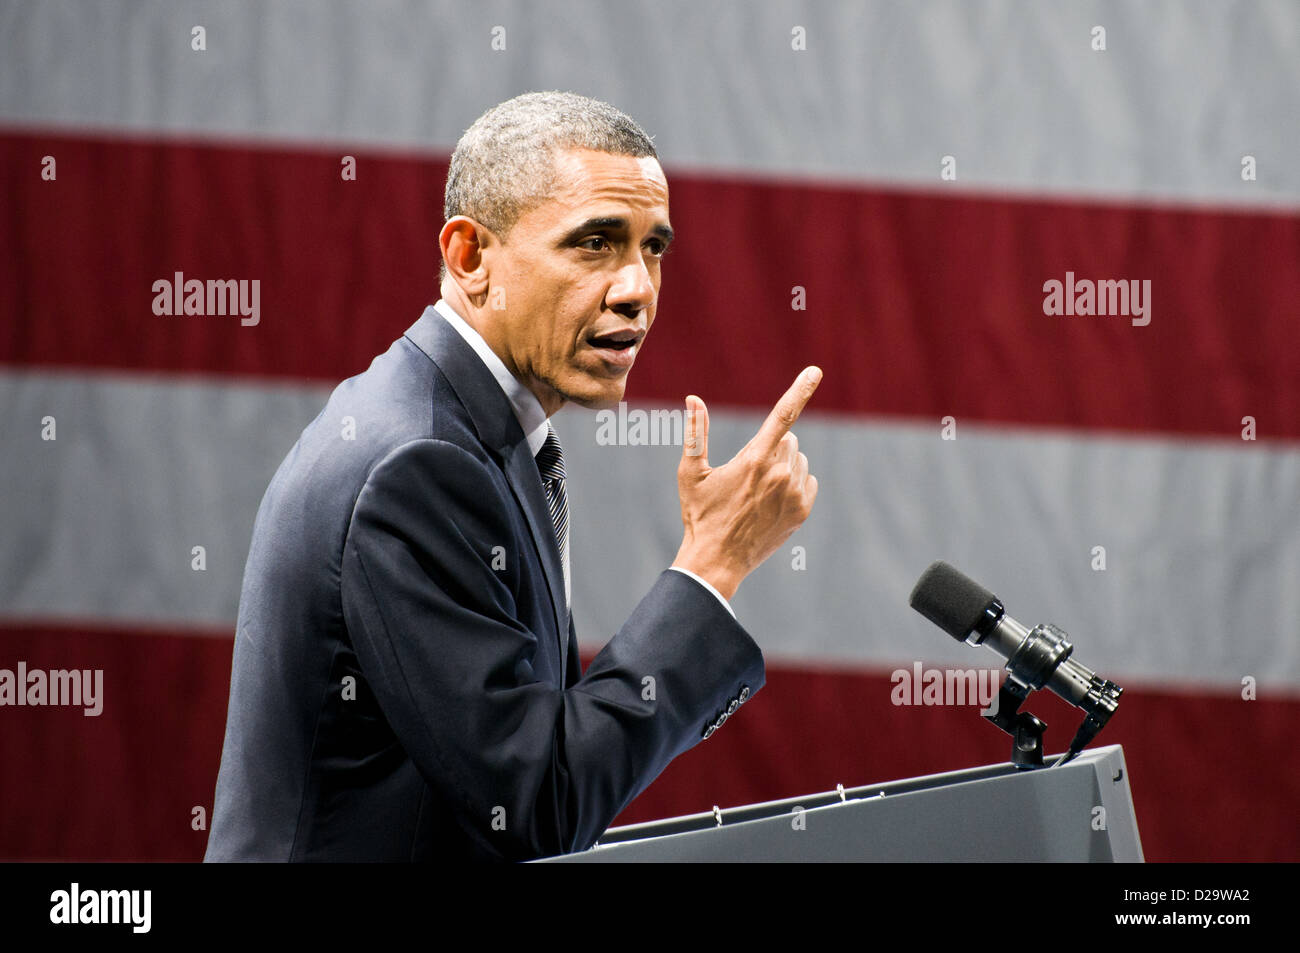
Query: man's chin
602, 402
600, 396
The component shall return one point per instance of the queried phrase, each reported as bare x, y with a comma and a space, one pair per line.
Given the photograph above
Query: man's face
579, 279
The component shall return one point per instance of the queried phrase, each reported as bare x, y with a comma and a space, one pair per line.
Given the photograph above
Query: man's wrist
722, 580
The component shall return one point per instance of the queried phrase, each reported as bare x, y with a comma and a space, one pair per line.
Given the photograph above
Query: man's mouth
617, 347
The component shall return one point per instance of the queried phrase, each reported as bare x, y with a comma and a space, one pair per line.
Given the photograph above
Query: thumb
695, 436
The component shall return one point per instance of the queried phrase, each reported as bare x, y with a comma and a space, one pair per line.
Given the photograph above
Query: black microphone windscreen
952, 601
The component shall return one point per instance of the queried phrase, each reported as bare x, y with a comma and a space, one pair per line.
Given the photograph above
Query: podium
1081, 811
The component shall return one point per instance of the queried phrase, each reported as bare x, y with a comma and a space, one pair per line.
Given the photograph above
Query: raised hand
736, 515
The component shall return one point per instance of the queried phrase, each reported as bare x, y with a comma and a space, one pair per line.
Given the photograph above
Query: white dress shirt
533, 421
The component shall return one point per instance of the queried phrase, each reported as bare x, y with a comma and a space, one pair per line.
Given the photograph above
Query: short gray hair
504, 164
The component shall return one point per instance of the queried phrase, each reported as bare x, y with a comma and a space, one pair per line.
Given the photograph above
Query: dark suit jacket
406, 682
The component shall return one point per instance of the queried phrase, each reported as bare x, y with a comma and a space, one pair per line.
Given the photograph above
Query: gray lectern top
1081, 811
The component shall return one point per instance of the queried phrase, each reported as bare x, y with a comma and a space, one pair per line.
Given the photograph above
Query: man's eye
594, 238
657, 248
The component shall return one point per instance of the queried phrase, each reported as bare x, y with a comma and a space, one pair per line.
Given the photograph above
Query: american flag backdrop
885, 190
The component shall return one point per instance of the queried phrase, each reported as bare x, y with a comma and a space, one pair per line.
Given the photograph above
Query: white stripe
1011, 89
1202, 544
101, 522
1202, 539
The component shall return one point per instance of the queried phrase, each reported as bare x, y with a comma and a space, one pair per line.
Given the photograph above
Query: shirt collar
528, 409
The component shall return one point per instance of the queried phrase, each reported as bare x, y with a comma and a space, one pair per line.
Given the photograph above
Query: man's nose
632, 291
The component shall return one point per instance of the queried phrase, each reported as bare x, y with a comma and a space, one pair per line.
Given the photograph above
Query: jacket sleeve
529, 769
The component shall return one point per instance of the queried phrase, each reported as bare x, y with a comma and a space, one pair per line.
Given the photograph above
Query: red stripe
918, 304
1207, 778
121, 785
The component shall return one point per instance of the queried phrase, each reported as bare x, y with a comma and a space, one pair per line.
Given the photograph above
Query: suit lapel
526, 481
494, 420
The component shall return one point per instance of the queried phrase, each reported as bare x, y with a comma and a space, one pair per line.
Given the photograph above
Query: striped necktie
550, 463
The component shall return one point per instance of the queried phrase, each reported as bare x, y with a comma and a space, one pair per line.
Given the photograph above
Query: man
406, 682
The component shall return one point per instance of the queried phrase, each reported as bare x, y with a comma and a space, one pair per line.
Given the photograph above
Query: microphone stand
1026, 730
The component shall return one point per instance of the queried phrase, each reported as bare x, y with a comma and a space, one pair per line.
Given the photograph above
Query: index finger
787, 409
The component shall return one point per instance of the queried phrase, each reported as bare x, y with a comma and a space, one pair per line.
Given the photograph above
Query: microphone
1035, 658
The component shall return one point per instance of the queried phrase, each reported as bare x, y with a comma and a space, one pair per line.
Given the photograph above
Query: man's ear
463, 241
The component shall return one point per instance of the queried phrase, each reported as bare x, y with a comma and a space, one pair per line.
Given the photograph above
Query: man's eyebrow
613, 223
